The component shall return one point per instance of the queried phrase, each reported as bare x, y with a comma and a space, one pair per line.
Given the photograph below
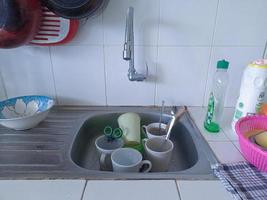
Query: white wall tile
145, 22
90, 32
41, 190
226, 124
79, 75
241, 22
121, 91
181, 75
27, 71
180, 72
239, 58
131, 190
203, 190
188, 22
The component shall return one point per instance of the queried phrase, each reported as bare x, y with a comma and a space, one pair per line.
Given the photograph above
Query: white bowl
21, 113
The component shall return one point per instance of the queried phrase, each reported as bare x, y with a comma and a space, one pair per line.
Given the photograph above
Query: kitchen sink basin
191, 158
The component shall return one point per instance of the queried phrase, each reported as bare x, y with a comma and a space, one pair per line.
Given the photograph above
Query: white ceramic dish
21, 113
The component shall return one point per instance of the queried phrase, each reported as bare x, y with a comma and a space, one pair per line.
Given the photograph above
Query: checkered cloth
243, 180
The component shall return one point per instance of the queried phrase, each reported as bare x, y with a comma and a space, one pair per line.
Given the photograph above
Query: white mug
159, 152
129, 160
105, 149
151, 134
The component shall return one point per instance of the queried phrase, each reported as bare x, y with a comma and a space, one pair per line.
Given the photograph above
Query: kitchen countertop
224, 144
226, 148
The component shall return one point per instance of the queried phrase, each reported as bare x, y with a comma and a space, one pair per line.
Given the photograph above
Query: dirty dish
25, 112
130, 124
105, 148
160, 156
153, 130
129, 160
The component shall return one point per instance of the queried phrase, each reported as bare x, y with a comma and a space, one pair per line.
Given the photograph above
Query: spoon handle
161, 113
177, 116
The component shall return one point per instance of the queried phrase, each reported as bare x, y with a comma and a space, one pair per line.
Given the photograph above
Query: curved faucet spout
128, 51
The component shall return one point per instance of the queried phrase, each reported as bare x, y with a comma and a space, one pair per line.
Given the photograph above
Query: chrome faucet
128, 51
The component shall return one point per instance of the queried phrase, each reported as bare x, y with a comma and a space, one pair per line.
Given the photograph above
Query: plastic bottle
252, 91
217, 96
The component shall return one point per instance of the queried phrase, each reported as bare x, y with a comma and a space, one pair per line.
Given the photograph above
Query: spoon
175, 116
161, 113
264, 51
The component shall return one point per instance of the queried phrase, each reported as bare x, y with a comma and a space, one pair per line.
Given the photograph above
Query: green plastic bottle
217, 96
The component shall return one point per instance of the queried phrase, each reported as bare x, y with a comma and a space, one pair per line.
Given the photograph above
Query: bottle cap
260, 63
222, 64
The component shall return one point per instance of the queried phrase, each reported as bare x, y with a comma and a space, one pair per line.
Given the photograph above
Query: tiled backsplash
181, 40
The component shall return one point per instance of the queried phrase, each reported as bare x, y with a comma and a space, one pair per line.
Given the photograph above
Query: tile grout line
3, 84
211, 53
84, 188
53, 75
177, 188
104, 59
157, 57
170, 46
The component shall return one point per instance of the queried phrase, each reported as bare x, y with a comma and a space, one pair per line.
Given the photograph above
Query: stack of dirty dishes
121, 149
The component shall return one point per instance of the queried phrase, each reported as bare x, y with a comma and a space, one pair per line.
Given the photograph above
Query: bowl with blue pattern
25, 112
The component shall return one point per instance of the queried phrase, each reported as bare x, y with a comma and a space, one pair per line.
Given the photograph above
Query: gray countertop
44, 151
46, 148
62, 126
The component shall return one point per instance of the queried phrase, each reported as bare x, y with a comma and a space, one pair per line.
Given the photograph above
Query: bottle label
260, 101
238, 114
211, 108
209, 123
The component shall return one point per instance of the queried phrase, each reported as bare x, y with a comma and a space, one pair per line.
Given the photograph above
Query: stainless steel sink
62, 146
191, 157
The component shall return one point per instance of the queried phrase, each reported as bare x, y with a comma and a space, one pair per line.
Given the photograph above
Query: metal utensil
264, 51
175, 116
161, 113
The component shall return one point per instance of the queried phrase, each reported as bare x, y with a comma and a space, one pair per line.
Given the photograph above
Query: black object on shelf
75, 9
